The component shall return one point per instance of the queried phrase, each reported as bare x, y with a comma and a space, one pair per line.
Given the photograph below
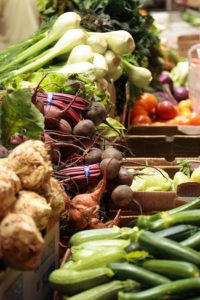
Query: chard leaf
108, 132
20, 115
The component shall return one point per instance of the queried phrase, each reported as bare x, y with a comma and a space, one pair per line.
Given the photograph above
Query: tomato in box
166, 110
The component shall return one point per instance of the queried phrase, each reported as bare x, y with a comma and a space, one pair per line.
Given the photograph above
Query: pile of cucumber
155, 257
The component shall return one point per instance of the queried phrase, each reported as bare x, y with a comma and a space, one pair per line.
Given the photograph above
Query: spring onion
97, 43
100, 65
80, 53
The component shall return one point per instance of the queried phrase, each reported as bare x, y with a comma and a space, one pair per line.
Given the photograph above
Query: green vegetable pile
158, 258
110, 15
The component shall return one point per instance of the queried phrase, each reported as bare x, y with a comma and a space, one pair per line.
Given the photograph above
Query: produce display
154, 258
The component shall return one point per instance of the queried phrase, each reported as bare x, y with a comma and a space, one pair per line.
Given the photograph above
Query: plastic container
194, 76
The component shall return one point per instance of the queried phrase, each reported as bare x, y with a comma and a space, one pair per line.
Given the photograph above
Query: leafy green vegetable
107, 131
20, 115
47, 7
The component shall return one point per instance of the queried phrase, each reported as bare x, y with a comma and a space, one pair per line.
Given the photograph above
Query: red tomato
138, 109
141, 120
149, 101
166, 110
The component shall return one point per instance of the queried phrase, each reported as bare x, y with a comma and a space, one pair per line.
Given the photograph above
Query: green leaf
20, 115
107, 131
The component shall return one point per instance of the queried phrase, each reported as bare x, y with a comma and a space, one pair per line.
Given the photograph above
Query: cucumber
99, 259
166, 248
193, 241
177, 287
137, 273
100, 234
171, 268
106, 291
69, 282
191, 217
68, 264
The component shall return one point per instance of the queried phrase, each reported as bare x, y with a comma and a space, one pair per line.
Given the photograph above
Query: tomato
166, 110
195, 119
148, 101
138, 109
141, 120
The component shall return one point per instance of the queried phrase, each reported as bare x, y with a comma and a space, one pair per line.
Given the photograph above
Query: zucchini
166, 248
81, 254
106, 291
171, 268
100, 234
137, 273
99, 259
68, 264
178, 232
143, 221
69, 282
103, 243
177, 287
193, 241
191, 217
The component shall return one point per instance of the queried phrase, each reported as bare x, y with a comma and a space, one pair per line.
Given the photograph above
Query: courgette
99, 259
103, 243
171, 268
177, 287
69, 282
193, 241
137, 273
144, 221
166, 248
106, 291
100, 234
178, 232
81, 254
191, 217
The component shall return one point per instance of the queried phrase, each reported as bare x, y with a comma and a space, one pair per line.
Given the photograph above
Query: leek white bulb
97, 43
100, 65
81, 53
119, 41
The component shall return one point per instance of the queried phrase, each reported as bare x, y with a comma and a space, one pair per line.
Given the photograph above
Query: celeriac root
35, 206
31, 162
21, 242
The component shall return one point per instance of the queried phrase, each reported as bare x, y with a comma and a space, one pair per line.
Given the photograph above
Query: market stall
99, 154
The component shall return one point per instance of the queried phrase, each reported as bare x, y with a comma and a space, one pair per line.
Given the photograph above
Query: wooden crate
185, 42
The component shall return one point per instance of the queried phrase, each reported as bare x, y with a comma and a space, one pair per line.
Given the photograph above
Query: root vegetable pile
30, 198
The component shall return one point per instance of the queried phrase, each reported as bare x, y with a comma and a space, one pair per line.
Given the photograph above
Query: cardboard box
33, 285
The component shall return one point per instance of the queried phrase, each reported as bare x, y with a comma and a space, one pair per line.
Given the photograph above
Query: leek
139, 76
119, 41
81, 53
97, 43
66, 21
100, 65
65, 44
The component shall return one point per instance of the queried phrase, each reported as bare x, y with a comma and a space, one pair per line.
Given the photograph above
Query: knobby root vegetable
35, 206
9, 187
84, 207
21, 242
3, 151
112, 152
112, 169
95, 223
31, 162
122, 195
93, 156
55, 196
